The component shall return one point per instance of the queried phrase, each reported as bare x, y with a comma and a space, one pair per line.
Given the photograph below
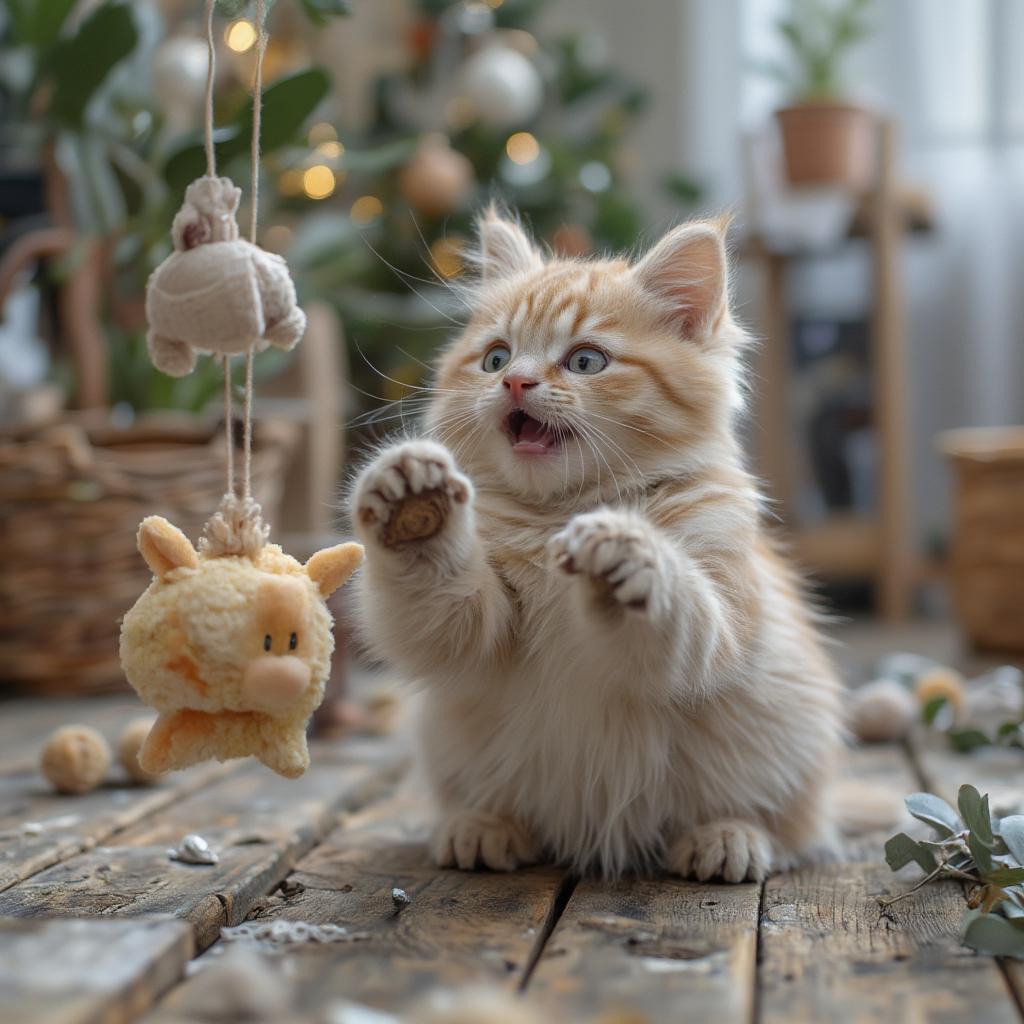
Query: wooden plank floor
97, 924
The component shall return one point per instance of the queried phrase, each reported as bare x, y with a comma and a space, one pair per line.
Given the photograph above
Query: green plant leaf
966, 740
38, 22
286, 106
901, 850
930, 711
994, 934
1002, 875
80, 63
1011, 830
974, 810
320, 11
935, 812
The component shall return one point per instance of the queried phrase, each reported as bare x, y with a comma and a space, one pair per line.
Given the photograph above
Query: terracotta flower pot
827, 143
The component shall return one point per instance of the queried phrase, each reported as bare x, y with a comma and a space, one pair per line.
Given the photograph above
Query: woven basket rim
983, 444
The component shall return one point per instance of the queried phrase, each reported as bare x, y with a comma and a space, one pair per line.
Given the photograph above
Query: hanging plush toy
217, 293
232, 642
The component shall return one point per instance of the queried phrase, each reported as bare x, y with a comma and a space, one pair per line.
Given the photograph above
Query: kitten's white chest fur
623, 683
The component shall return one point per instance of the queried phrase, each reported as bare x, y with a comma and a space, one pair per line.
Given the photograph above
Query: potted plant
826, 139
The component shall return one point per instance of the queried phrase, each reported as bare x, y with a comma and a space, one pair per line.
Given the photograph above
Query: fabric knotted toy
217, 293
231, 643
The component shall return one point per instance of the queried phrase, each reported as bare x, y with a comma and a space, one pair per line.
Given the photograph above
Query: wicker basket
988, 540
71, 498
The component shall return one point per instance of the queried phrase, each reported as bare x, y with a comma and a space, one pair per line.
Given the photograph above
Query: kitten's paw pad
408, 493
616, 551
471, 839
734, 851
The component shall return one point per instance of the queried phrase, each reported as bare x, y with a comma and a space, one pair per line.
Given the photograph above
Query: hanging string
211, 64
237, 528
254, 188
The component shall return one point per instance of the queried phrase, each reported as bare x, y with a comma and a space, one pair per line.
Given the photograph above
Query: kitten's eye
267, 642
293, 641
497, 357
587, 360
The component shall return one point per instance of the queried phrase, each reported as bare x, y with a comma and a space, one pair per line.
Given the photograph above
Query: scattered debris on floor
194, 849
289, 933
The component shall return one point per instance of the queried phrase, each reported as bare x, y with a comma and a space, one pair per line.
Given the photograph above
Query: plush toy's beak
164, 547
330, 568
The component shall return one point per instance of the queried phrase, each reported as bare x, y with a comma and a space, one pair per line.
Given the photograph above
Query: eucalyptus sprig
977, 848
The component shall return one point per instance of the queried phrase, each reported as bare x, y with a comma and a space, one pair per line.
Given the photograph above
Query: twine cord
254, 157
211, 64
237, 528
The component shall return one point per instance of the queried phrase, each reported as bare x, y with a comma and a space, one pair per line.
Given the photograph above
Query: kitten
618, 670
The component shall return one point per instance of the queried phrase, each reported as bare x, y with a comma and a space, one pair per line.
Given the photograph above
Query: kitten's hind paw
409, 493
616, 551
470, 839
734, 851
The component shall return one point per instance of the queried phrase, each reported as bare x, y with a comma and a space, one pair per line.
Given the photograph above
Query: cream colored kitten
618, 671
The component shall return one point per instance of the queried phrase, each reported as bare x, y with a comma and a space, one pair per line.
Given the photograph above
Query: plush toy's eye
293, 641
586, 360
497, 357
267, 642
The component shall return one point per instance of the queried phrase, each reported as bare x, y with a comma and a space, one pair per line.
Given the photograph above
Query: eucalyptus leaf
932, 708
901, 850
981, 854
1003, 876
934, 811
994, 934
966, 740
1011, 830
974, 810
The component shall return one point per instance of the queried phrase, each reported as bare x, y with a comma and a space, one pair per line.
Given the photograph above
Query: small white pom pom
882, 711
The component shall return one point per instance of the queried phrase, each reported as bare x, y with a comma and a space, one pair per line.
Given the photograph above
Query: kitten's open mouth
531, 437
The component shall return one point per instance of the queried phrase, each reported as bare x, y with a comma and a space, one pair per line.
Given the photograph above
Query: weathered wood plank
260, 824
830, 952
40, 828
458, 927
25, 724
88, 972
649, 949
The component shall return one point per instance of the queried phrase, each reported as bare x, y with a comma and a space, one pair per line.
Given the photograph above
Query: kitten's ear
505, 249
687, 268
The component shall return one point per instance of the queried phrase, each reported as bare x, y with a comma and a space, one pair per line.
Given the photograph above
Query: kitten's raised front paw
616, 551
734, 851
408, 493
470, 839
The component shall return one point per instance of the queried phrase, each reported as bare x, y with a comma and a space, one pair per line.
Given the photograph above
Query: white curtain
950, 71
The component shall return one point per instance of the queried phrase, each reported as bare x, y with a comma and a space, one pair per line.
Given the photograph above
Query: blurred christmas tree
374, 211
484, 108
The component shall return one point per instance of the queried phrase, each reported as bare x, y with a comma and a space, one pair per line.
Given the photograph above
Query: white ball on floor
882, 711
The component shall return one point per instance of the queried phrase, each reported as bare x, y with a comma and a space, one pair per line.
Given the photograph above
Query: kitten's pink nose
274, 684
517, 385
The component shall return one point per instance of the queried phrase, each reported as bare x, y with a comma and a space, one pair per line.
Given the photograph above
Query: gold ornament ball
437, 180
129, 743
75, 758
